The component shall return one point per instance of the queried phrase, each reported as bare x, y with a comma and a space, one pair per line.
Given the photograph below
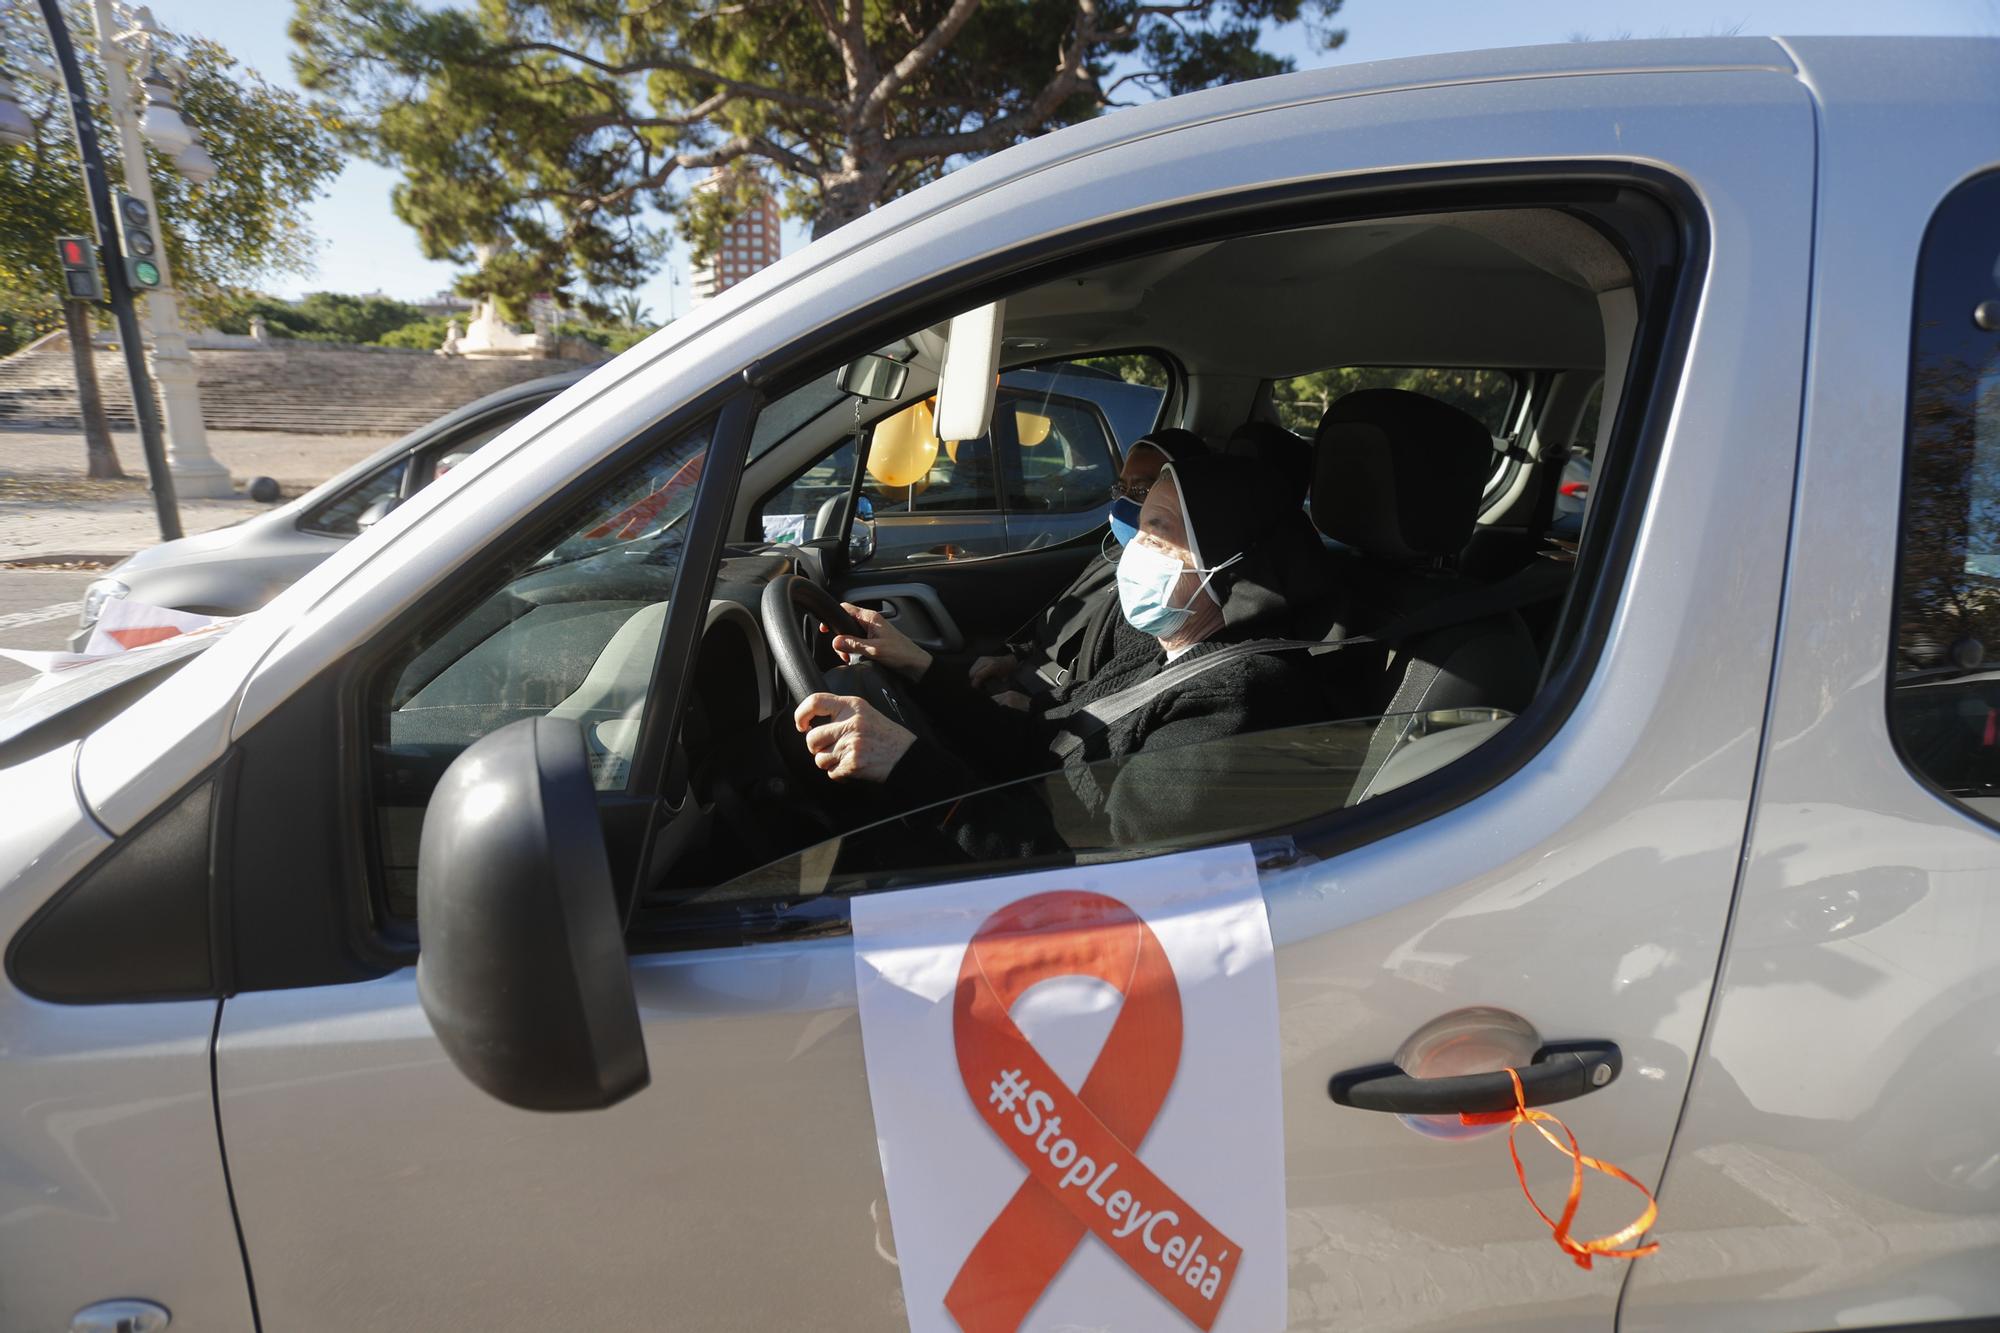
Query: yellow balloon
1031, 427
904, 447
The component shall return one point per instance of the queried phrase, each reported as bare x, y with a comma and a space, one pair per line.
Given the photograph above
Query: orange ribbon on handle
1582, 1251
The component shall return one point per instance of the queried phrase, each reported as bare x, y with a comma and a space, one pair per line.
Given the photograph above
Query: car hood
41, 700
201, 546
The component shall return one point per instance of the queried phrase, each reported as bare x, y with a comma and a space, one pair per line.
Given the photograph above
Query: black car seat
1397, 479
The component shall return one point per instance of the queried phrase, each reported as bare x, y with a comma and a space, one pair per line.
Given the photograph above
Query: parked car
1661, 803
239, 568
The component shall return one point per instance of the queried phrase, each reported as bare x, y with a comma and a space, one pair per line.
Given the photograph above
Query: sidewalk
50, 513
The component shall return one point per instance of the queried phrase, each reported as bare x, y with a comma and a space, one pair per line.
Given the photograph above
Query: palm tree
631, 310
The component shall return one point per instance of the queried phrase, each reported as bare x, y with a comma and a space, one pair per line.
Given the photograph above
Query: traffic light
135, 238
79, 262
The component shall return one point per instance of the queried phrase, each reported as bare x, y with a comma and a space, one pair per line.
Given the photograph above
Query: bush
424, 334
613, 338
24, 319
354, 319
320, 317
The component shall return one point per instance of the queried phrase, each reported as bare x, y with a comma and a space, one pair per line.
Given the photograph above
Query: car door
1839, 1163
1575, 875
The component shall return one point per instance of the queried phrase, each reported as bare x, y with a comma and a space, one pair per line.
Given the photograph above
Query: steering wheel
791, 648
785, 630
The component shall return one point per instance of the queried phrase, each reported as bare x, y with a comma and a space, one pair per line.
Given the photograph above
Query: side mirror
376, 512
873, 377
861, 537
522, 970
832, 516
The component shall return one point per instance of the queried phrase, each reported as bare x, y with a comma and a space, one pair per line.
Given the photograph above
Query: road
38, 609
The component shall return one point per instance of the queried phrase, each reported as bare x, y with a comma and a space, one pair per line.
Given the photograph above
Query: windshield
810, 401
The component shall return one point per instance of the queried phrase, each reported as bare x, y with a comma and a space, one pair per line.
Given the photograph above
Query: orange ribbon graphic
1080, 1147
1581, 1251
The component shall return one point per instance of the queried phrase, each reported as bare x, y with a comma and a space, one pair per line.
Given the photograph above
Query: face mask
1146, 579
1124, 520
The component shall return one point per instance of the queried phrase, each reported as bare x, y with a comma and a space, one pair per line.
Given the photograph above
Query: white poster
124, 624
1075, 1083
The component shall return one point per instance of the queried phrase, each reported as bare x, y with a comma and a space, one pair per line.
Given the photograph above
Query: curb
31, 560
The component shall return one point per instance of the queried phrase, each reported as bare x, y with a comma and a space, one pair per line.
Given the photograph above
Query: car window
1485, 394
1256, 784
1041, 475
442, 458
1944, 702
567, 628
791, 513
1067, 460
340, 516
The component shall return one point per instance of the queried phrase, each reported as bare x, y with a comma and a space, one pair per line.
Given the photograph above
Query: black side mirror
376, 512
861, 536
522, 971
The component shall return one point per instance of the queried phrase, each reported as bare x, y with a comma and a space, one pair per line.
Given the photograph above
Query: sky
364, 248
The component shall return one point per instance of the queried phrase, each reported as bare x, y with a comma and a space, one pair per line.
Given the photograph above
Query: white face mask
1146, 579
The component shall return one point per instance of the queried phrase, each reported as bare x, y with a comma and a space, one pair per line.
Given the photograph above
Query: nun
1196, 576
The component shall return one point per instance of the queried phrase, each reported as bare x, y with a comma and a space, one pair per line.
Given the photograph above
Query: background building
748, 244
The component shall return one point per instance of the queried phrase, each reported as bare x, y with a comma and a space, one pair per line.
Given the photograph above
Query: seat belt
1524, 588
1050, 674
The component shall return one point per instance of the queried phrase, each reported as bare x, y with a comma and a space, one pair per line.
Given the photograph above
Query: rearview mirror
874, 377
522, 969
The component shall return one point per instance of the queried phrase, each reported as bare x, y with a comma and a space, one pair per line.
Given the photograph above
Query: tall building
748, 244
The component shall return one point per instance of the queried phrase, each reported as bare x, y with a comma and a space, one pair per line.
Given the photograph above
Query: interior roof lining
1509, 287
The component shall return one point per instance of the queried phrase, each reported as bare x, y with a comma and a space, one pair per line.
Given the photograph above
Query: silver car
239, 568
1053, 493
1711, 798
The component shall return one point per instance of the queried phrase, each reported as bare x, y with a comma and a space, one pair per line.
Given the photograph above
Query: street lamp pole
196, 472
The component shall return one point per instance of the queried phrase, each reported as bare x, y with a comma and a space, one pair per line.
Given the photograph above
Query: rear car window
1485, 394
1944, 701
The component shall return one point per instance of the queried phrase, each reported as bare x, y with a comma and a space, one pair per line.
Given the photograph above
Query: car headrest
1398, 475
1290, 457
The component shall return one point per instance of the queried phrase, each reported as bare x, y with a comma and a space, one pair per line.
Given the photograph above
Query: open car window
568, 628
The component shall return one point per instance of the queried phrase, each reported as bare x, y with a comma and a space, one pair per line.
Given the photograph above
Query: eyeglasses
1135, 491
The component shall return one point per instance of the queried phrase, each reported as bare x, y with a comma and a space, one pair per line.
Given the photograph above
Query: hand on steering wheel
883, 644
788, 633
848, 739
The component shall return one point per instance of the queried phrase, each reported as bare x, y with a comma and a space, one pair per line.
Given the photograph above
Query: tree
274, 152
631, 310
1303, 400
557, 124
319, 316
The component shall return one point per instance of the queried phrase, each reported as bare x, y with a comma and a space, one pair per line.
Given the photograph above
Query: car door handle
1561, 1071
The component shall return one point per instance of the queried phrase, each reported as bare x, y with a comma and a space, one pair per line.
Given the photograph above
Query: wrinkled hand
848, 739
991, 670
885, 644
